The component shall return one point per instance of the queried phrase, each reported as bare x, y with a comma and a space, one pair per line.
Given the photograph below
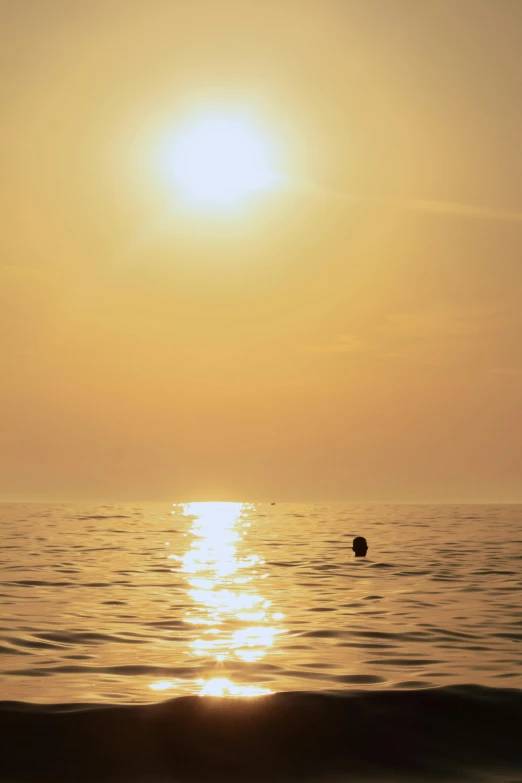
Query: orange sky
354, 335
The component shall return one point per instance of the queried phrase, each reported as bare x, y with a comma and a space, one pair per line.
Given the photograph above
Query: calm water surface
126, 603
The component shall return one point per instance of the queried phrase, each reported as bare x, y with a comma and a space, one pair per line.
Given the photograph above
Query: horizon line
112, 501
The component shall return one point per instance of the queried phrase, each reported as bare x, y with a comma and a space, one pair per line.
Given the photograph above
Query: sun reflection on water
221, 686
231, 614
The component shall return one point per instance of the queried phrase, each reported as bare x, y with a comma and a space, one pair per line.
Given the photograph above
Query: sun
221, 160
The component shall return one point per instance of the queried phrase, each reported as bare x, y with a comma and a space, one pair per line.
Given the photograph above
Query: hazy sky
353, 335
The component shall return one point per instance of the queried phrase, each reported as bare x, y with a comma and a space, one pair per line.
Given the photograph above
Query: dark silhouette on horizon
360, 546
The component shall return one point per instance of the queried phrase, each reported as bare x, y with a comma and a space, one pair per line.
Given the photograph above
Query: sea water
377, 664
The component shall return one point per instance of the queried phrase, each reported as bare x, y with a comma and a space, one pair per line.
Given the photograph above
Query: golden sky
353, 333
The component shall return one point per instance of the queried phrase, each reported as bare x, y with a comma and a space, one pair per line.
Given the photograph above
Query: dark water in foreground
116, 620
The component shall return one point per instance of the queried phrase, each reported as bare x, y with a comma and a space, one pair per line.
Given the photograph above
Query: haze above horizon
261, 250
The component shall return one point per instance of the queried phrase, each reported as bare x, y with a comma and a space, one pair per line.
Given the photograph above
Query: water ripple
137, 603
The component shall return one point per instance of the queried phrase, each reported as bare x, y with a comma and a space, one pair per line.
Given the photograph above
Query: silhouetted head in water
360, 547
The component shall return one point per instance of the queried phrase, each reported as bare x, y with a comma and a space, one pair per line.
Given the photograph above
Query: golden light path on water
232, 618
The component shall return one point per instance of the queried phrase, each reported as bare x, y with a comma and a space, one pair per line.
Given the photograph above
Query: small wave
8, 650
38, 583
405, 661
442, 733
103, 516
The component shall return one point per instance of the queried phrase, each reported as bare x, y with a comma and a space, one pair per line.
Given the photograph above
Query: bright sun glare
221, 160
229, 621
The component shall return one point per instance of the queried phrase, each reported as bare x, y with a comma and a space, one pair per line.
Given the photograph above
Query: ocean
201, 641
